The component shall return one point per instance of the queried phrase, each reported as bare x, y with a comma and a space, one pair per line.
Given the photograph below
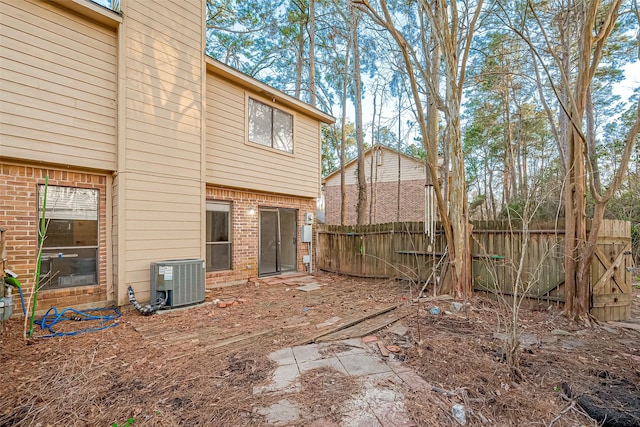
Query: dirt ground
198, 366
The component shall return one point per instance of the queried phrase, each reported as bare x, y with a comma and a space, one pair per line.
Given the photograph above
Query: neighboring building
153, 151
388, 167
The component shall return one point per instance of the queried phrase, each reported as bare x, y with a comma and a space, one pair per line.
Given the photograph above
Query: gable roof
256, 86
368, 153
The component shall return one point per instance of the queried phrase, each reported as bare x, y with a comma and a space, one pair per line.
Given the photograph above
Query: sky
632, 80
624, 89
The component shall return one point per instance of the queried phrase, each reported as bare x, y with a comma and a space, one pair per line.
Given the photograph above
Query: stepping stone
309, 287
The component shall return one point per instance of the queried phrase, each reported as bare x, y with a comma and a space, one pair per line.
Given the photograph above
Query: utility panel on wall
308, 218
307, 234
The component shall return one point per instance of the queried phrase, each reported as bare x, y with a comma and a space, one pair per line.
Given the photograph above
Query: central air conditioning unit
178, 281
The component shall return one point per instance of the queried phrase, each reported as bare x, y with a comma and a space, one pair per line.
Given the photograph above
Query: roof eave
263, 89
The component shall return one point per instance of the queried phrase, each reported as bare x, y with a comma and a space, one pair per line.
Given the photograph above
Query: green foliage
508, 144
331, 142
510, 152
129, 422
635, 243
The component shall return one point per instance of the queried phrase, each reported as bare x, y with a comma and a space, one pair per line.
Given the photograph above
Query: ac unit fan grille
180, 281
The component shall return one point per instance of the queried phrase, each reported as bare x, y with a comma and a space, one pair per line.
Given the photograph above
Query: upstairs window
270, 126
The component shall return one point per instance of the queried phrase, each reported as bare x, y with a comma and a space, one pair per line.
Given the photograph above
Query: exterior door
278, 241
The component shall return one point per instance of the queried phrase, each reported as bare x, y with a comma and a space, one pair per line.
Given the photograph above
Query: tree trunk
580, 245
399, 183
361, 205
372, 158
432, 108
459, 255
577, 290
312, 52
509, 181
343, 124
591, 139
299, 61
445, 26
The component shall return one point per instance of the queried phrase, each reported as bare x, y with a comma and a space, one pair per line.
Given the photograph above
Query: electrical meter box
308, 218
307, 234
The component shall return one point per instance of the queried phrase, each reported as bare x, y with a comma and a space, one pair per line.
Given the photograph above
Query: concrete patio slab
414, 381
399, 329
285, 379
331, 362
388, 379
280, 413
397, 366
307, 353
363, 364
378, 403
283, 356
392, 414
356, 347
323, 422
309, 287
375, 396
343, 348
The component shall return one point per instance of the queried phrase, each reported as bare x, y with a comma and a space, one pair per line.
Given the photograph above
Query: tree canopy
508, 101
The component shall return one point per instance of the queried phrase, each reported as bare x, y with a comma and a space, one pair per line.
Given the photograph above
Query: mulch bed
130, 372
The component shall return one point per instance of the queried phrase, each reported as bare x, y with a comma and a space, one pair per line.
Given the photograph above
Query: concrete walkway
378, 403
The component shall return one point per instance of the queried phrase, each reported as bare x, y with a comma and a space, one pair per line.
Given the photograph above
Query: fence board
401, 250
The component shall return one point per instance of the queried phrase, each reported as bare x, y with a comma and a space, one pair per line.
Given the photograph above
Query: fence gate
611, 274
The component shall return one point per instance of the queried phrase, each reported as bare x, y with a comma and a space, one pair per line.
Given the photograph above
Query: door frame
278, 266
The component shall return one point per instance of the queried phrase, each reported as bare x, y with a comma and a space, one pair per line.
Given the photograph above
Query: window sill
270, 149
92, 10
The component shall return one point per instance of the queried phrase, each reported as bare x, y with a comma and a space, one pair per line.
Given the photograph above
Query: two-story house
395, 185
152, 150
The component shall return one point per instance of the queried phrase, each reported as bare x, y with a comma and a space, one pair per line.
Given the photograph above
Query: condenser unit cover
179, 281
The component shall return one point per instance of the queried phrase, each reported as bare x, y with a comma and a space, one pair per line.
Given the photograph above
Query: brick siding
385, 207
19, 218
245, 238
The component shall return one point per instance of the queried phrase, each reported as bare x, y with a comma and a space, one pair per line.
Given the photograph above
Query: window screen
218, 235
270, 126
70, 247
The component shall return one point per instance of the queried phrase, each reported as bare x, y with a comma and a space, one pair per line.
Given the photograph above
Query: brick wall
244, 260
385, 207
19, 218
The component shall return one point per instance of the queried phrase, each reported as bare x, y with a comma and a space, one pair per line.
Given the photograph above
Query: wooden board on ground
349, 323
366, 327
383, 350
214, 337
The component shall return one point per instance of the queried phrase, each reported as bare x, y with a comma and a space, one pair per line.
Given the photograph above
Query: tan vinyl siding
115, 230
386, 172
233, 162
58, 79
163, 156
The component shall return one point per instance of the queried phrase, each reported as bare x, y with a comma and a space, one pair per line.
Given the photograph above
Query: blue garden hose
106, 321
24, 309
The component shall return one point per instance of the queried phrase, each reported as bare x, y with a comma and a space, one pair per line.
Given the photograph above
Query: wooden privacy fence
498, 249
